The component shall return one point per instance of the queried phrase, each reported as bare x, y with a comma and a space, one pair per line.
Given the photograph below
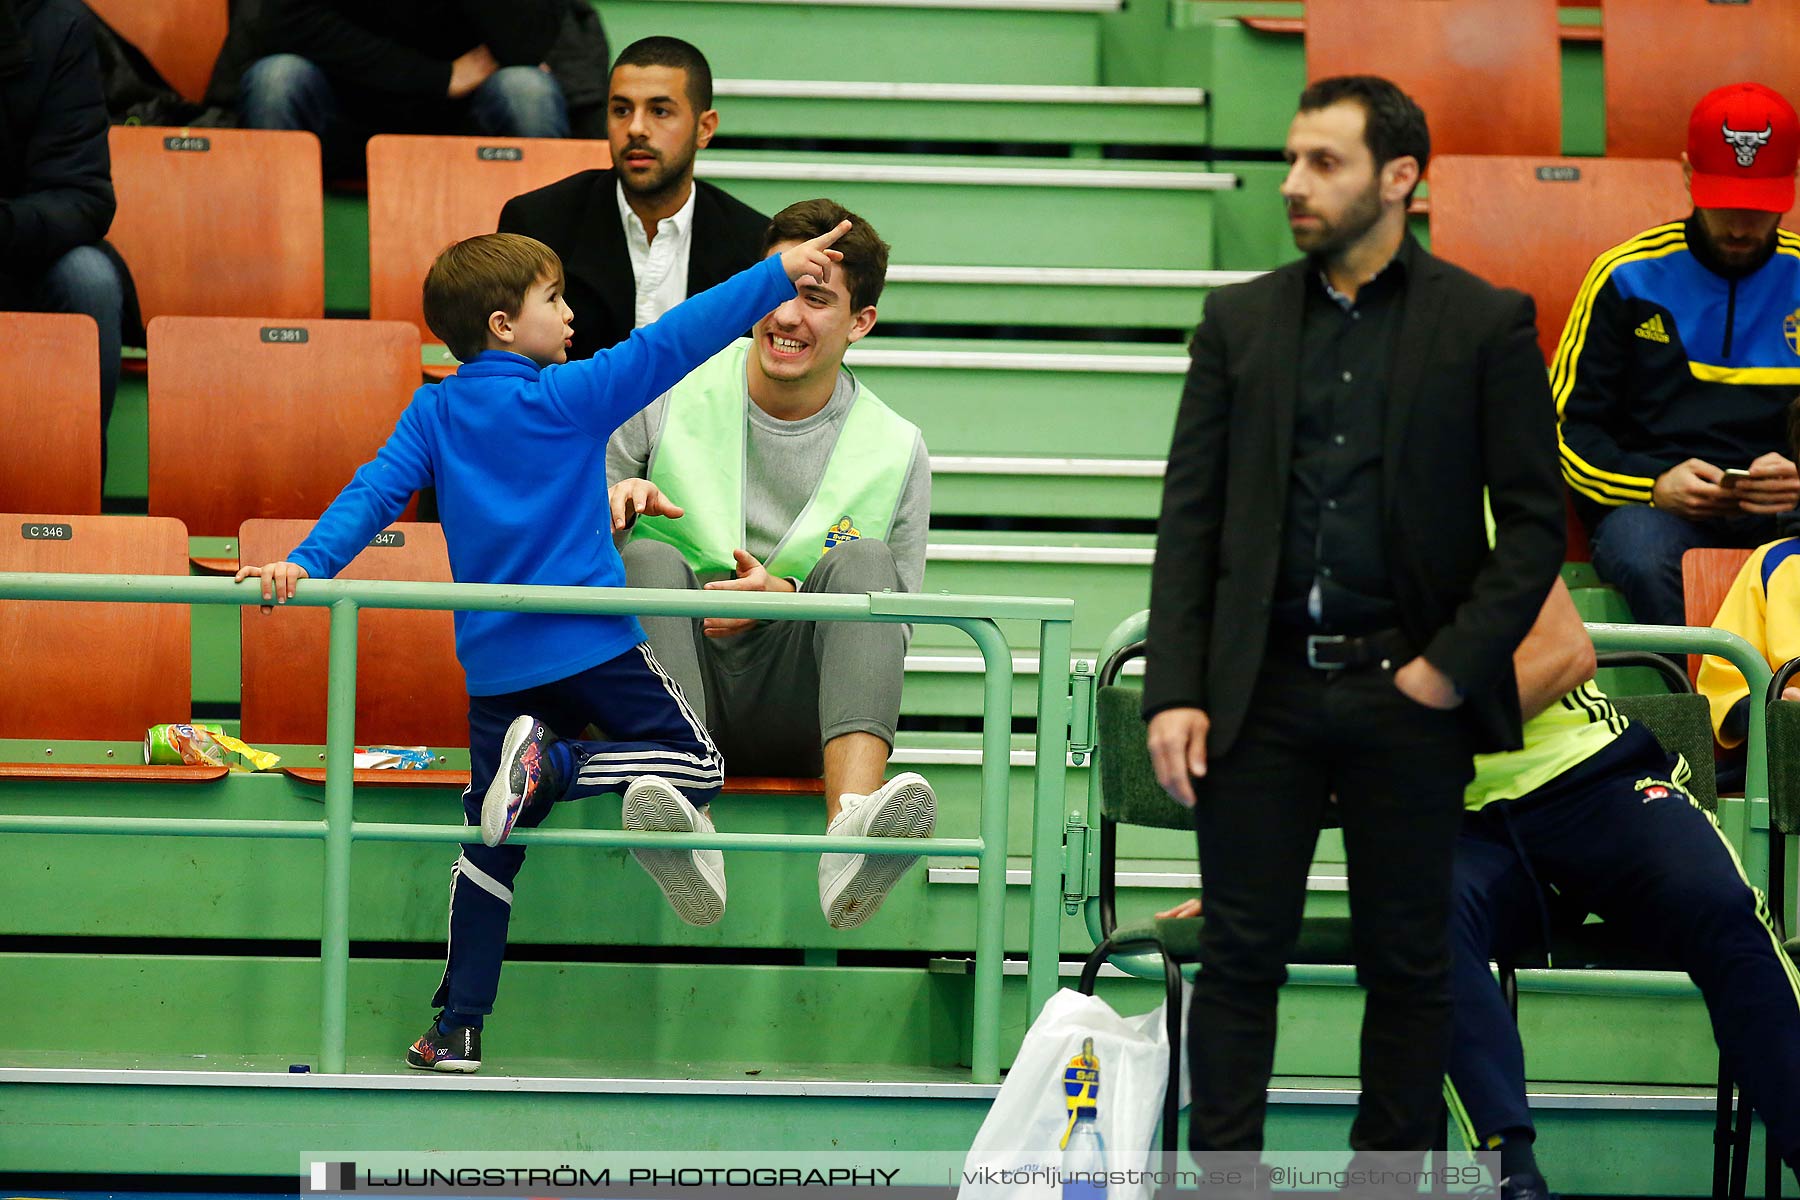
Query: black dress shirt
1334, 573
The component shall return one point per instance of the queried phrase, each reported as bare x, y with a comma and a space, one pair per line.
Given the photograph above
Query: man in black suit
640, 238
1326, 617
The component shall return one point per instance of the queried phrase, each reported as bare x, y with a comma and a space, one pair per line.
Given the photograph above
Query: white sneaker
693, 881
852, 886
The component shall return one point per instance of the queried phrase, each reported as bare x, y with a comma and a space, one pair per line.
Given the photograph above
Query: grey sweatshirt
784, 461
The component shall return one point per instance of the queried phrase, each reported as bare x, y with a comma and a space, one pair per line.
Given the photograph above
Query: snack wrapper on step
203, 746
394, 758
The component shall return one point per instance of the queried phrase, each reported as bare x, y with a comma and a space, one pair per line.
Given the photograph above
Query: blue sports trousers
637, 703
1616, 835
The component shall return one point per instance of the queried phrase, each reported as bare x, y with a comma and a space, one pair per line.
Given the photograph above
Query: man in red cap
1680, 356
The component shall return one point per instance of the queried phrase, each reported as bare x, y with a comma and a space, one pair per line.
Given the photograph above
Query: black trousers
1397, 770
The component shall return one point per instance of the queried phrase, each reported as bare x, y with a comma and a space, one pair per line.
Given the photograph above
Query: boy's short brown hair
478, 276
865, 254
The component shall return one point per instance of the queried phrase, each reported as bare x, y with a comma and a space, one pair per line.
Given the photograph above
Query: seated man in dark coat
638, 239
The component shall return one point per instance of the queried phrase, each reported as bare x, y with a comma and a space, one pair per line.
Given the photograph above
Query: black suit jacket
1468, 408
578, 217
55, 169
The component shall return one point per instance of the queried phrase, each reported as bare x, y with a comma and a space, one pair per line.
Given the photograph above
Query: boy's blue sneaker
524, 780
457, 1049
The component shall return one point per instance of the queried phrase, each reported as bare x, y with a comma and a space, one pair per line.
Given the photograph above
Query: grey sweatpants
773, 695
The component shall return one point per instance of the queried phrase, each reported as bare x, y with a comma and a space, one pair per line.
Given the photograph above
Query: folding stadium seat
50, 406
181, 38
1654, 76
258, 418
409, 686
93, 671
426, 192
1537, 223
1487, 72
220, 222
1707, 573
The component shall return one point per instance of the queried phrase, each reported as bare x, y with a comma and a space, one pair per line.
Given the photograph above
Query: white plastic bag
1078, 1051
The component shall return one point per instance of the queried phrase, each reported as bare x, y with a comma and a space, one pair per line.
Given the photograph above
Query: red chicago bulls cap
1744, 144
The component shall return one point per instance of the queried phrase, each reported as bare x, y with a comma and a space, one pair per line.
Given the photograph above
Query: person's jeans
85, 281
519, 102
286, 91
1638, 549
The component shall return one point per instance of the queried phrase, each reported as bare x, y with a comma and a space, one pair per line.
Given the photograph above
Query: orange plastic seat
1661, 57
1707, 573
409, 686
1487, 72
426, 192
220, 222
50, 407
181, 38
260, 418
94, 671
1537, 223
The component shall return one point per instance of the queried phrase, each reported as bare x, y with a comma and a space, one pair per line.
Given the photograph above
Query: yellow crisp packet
259, 760
202, 746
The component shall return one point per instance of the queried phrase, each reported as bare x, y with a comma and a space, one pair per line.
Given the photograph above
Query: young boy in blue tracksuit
514, 443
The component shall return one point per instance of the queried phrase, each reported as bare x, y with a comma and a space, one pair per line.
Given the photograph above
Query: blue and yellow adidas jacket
1663, 360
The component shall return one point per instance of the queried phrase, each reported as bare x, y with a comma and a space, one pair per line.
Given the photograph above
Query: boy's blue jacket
518, 456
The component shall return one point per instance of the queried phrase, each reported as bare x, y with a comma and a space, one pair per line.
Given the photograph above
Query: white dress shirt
660, 267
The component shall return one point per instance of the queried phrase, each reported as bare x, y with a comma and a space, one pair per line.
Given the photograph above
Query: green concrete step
961, 111
1036, 43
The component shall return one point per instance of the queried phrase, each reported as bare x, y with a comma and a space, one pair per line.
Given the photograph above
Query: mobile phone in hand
1732, 475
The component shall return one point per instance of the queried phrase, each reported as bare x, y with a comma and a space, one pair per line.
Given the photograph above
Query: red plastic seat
1535, 223
269, 418
50, 406
85, 671
220, 222
1487, 72
1661, 56
409, 686
426, 192
1707, 573
181, 38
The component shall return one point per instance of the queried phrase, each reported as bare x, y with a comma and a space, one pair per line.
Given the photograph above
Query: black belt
1340, 652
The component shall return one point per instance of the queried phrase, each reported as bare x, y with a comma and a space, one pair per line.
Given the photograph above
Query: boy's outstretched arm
598, 394
375, 495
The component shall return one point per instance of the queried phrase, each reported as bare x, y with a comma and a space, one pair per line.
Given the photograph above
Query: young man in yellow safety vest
771, 468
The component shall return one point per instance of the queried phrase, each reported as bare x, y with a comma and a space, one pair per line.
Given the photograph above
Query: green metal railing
1735, 821
1681, 639
974, 615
